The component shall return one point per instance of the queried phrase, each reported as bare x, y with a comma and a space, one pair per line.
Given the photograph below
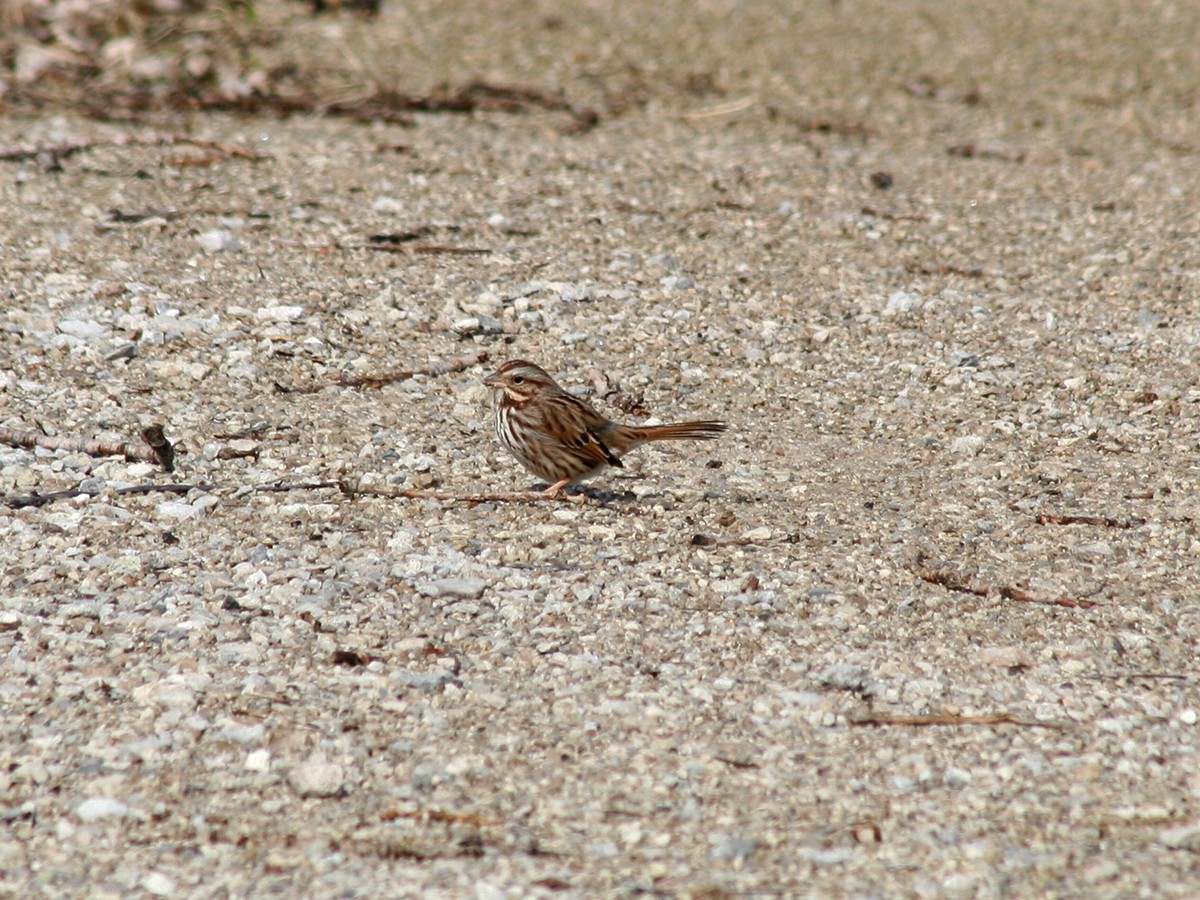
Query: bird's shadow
579, 493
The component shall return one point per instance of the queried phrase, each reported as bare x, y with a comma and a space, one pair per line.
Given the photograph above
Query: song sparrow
561, 438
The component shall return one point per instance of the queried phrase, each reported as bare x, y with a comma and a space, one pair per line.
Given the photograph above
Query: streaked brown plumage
562, 439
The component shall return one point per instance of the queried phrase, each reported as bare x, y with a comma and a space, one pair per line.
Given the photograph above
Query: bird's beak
493, 380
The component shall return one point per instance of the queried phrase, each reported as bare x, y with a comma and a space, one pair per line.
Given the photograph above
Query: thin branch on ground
1099, 521
21, 501
154, 446
464, 496
952, 579
874, 718
165, 488
52, 154
438, 815
383, 247
379, 379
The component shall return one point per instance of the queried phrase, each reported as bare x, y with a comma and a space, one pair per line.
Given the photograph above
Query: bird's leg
555, 488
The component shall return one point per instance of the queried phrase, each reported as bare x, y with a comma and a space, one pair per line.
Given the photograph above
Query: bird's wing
579, 429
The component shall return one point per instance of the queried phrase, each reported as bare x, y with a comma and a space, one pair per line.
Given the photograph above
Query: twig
1101, 521
830, 126
437, 815
154, 446
723, 109
389, 493
891, 216
947, 577
919, 269
874, 718
53, 154
983, 151
400, 247
165, 488
376, 381
20, 501
705, 540
276, 487
464, 497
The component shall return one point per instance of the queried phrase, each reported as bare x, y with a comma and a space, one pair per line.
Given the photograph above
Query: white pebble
258, 760
218, 241
317, 778
96, 808
158, 884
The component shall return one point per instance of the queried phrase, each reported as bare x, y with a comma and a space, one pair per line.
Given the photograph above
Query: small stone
466, 588
844, 676
964, 359
218, 241
474, 325
957, 778
832, 856
968, 444
603, 850
97, 808
283, 313
1004, 657
1182, 837
1103, 870
677, 283
1095, 552
317, 777
389, 205
258, 760
487, 891
158, 884
900, 302
755, 535
85, 330
120, 350
730, 848
425, 682
173, 509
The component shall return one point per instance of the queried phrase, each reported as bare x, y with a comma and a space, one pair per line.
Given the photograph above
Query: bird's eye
518, 379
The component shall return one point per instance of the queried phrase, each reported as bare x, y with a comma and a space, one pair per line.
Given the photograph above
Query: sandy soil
923, 623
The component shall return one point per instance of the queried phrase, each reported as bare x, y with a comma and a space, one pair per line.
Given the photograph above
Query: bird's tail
680, 431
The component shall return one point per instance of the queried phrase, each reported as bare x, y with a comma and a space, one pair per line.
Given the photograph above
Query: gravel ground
923, 623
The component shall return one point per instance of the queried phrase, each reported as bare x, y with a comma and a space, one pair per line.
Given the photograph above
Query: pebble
280, 313
85, 330
477, 325
831, 856
900, 302
218, 240
731, 848
1004, 657
317, 777
97, 808
257, 761
1098, 551
466, 588
968, 445
175, 509
844, 676
120, 350
1181, 837
159, 884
